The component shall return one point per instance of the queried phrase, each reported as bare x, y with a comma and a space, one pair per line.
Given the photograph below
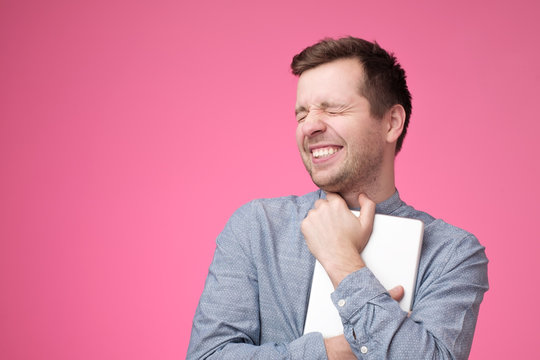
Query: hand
338, 348
336, 237
397, 293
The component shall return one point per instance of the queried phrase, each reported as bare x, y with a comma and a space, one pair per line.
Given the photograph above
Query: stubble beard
358, 173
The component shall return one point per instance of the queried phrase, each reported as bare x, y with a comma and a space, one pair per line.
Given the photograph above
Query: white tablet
392, 254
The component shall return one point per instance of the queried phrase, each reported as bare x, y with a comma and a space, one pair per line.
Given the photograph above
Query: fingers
330, 198
367, 210
397, 293
318, 203
336, 200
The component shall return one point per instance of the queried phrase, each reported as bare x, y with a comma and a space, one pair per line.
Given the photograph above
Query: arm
227, 320
338, 348
442, 323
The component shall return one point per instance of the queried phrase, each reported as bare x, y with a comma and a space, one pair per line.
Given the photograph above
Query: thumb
367, 210
397, 293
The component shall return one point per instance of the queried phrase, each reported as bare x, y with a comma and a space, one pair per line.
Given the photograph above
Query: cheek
299, 137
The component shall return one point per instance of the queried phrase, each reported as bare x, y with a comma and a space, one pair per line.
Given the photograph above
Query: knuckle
303, 226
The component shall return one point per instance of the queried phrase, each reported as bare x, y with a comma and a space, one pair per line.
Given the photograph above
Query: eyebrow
300, 109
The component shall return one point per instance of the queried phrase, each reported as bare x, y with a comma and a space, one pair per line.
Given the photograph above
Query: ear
395, 120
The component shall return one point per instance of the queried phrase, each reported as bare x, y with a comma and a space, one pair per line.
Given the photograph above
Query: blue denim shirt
256, 294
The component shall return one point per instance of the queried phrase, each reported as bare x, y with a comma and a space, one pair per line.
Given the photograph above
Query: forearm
247, 311
309, 346
377, 328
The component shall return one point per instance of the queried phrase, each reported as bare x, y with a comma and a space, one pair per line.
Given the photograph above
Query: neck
382, 188
351, 198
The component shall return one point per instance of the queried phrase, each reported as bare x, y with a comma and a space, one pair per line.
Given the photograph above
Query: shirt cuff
355, 291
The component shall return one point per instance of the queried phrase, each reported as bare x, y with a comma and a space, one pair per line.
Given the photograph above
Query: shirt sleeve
226, 324
445, 310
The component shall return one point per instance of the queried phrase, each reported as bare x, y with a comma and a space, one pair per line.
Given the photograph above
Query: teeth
317, 153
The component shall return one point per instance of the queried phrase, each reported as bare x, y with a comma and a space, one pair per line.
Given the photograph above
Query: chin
327, 185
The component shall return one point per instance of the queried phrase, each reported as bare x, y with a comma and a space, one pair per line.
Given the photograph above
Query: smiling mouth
325, 151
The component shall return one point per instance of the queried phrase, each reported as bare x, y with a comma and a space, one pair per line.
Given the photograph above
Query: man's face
340, 143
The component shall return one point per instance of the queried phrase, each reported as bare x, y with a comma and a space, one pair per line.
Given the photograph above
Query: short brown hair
385, 82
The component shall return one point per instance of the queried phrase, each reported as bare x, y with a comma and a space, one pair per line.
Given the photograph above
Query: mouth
325, 151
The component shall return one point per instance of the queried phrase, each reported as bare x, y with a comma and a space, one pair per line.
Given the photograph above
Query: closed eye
301, 116
333, 113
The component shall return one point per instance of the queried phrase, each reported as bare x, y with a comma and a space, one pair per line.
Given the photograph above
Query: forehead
336, 81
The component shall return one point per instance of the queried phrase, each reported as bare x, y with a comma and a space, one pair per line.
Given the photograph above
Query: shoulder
263, 227
449, 251
438, 231
278, 208
444, 245
263, 218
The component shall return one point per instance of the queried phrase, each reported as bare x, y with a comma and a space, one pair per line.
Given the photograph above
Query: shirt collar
385, 207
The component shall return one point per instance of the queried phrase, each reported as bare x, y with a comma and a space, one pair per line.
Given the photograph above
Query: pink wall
131, 130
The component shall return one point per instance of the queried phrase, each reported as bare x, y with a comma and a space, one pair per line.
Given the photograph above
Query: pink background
131, 130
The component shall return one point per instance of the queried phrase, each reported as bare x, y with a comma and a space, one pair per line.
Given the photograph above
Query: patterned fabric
256, 294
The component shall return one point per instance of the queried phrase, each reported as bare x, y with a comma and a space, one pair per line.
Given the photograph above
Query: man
353, 109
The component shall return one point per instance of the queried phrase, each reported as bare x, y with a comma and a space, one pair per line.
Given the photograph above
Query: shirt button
341, 303
363, 349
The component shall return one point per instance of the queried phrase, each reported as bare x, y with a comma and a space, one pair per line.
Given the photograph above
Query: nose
313, 124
